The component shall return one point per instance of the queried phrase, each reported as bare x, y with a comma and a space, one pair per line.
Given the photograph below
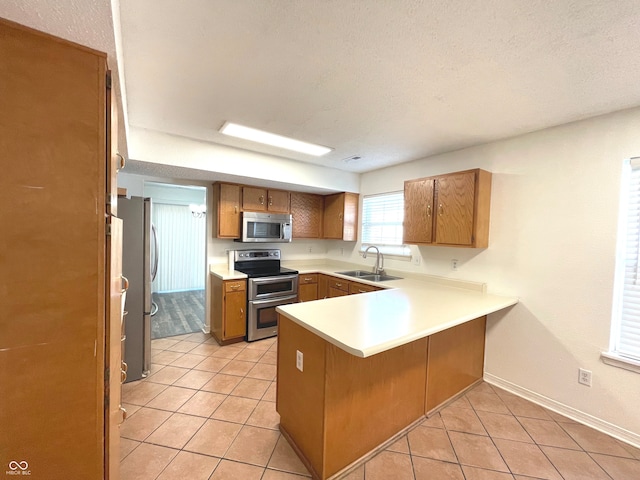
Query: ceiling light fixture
240, 131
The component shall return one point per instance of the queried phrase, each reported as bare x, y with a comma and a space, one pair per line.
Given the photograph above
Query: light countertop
406, 310
221, 270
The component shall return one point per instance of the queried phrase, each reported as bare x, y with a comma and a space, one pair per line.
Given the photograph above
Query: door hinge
107, 392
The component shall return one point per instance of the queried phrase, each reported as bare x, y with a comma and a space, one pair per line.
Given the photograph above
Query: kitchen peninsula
356, 371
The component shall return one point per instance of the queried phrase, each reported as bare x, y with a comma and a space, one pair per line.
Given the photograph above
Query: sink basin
366, 275
356, 273
379, 278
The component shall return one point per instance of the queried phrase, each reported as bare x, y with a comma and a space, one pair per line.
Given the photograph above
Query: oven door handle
274, 279
277, 301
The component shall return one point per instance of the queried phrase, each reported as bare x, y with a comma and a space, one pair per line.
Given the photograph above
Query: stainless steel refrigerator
139, 265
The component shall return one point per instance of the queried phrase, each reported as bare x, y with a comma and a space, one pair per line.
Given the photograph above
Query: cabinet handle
362, 291
440, 209
235, 287
121, 163
125, 280
338, 284
123, 376
270, 201
340, 216
307, 279
261, 199
428, 210
235, 208
241, 312
124, 413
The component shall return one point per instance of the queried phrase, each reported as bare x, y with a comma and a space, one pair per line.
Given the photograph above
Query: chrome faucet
378, 269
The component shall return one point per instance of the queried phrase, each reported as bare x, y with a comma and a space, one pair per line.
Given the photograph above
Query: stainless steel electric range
269, 285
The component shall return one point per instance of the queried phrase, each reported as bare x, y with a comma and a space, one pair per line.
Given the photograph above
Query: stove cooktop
257, 272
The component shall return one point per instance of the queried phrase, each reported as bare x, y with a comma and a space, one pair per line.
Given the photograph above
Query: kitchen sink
356, 273
379, 278
366, 275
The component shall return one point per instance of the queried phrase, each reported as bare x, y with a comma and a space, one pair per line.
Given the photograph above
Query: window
382, 217
625, 331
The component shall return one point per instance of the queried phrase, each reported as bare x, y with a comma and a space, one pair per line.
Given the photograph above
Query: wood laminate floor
178, 313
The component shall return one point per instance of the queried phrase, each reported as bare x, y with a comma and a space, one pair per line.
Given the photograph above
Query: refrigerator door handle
154, 270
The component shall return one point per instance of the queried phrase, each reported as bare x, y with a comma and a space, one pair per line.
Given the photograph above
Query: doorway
178, 290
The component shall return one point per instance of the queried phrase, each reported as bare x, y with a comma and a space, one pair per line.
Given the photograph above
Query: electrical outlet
416, 260
454, 264
310, 248
299, 360
584, 377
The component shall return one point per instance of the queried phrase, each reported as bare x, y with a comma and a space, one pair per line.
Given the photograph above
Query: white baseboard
580, 417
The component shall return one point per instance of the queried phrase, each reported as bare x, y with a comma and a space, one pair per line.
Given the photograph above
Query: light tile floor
208, 412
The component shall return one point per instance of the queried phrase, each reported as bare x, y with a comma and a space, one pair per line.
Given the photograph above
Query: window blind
382, 217
628, 331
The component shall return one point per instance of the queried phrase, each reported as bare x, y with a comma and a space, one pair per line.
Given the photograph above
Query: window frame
397, 250
614, 356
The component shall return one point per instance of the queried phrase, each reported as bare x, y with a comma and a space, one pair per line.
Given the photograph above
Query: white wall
552, 243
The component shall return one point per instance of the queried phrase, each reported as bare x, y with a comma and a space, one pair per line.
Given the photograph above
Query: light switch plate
299, 360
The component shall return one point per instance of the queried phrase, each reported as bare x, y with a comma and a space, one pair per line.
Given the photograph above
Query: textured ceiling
388, 80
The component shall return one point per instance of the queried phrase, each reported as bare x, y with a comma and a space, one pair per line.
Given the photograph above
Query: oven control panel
263, 254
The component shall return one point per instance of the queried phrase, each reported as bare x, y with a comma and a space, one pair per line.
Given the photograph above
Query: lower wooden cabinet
307, 287
228, 310
357, 287
329, 287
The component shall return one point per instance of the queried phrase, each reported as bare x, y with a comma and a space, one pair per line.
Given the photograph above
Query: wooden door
336, 292
333, 216
455, 195
113, 350
323, 286
254, 199
52, 255
229, 211
418, 211
307, 292
235, 320
306, 210
278, 201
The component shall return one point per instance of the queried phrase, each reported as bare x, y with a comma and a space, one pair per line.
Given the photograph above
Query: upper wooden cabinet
226, 208
256, 199
307, 210
341, 216
451, 209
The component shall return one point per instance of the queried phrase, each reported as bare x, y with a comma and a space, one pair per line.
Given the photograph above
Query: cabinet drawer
361, 288
235, 285
339, 284
309, 278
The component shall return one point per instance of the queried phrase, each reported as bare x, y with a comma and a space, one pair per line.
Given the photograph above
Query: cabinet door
229, 211
307, 210
307, 292
335, 292
235, 319
278, 201
254, 199
333, 215
113, 349
454, 217
418, 211
357, 287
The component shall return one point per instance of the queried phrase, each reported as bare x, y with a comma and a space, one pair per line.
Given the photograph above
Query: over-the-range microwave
265, 227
